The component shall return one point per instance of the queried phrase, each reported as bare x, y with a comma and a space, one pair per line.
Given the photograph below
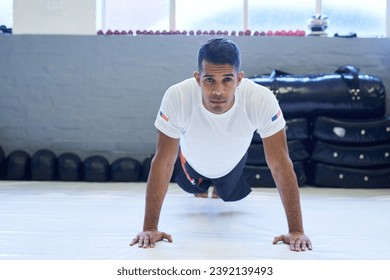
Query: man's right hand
147, 239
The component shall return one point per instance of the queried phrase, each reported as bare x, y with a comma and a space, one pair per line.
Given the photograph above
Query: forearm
157, 186
287, 185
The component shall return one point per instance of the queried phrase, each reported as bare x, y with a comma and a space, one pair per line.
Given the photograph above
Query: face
218, 83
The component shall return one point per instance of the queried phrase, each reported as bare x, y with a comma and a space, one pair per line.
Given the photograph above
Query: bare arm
279, 162
157, 185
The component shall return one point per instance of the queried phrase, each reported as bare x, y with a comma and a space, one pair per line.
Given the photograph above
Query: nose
215, 92
218, 91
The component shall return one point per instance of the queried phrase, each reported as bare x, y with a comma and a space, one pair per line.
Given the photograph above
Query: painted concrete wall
100, 94
54, 17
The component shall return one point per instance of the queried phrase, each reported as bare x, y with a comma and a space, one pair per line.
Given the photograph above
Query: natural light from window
363, 17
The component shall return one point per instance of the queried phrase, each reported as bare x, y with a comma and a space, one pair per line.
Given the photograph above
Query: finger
306, 244
152, 242
309, 245
135, 241
277, 239
146, 242
292, 245
141, 242
167, 237
298, 245
303, 246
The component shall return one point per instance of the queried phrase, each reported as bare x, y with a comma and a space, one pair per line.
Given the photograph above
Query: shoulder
185, 86
253, 94
181, 92
258, 102
182, 98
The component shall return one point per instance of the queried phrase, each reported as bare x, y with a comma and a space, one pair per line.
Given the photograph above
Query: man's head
219, 74
219, 51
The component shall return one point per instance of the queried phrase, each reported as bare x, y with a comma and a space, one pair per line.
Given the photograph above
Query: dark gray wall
100, 94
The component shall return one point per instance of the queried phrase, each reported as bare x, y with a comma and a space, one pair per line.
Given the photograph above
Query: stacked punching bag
351, 153
348, 134
256, 170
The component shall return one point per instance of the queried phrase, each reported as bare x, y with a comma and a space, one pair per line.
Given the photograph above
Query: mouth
217, 101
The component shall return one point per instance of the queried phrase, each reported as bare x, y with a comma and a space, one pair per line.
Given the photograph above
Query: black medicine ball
96, 169
43, 165
69, 167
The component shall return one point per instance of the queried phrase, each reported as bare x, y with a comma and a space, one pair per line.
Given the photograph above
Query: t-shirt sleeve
272, 117
168, 116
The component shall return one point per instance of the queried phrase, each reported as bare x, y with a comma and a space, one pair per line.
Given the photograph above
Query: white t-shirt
213, 144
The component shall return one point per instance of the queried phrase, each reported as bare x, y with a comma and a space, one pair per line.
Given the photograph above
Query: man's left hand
297, 241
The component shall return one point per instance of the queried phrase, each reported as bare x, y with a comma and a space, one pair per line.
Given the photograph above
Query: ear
197, 77
240, 76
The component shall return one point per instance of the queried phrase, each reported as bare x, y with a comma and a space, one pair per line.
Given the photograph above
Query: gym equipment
317, 24
18, 165
296, 148
347, 177
5, 30
126, 169
43, 165
345, 93
260, 176
356, 131
96, 169
2, 163
69, 167
353, 156
351, 153
296, 129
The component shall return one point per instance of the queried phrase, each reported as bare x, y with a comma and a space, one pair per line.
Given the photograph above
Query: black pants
231, 187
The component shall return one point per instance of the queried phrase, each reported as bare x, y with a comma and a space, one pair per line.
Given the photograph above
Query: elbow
283, 168
164, 160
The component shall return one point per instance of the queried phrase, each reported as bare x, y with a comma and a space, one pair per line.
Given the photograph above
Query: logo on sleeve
164, 116
276, 116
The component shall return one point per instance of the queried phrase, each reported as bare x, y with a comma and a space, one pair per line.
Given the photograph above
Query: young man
210, 119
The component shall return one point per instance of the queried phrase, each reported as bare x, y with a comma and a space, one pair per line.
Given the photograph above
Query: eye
227, 79
209, 80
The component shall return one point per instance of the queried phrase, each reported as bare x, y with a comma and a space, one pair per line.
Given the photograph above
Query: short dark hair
219, 51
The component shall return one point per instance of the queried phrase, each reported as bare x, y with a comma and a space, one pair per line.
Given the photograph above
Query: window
366, 18
6, 16
207, 15
280, 15
363, 17
136, 15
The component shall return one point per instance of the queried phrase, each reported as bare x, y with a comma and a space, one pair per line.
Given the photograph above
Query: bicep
276, 150
166, 148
